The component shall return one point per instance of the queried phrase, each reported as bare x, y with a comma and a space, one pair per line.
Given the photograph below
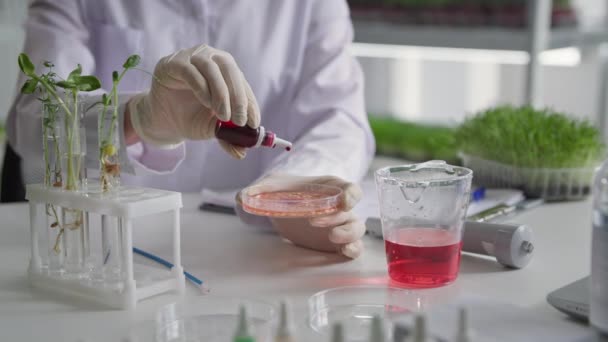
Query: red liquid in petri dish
292, 207
423, 257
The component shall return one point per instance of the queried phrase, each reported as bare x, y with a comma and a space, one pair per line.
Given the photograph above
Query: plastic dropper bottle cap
280, 143
377, 330
337, 333
242, 330
464, 333
285, 331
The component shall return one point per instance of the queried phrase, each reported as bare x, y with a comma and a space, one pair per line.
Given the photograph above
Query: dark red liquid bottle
248, 137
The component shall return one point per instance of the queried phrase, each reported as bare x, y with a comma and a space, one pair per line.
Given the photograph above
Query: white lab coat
294, 53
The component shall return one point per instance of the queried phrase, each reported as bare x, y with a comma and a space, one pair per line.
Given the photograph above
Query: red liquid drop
419, 257
287, 148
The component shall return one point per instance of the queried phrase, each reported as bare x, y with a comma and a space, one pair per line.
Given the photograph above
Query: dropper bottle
249, 137
285, 331
242, 330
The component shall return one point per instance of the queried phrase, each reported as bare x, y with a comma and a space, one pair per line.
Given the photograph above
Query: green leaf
132, 61
66, 84
47, 122
75, 72
87, 83
25, 64
105, 99
29, 86
48, 64
115, 76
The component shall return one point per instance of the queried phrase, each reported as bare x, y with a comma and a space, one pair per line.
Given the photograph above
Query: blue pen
478, 194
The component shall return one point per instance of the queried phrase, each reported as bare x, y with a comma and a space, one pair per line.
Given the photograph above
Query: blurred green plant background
412, 141
517, 136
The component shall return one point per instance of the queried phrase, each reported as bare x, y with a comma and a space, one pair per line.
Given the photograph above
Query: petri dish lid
291, 200
355, 306
206, 319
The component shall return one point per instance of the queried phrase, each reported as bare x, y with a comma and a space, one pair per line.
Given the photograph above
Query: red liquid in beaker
423, 257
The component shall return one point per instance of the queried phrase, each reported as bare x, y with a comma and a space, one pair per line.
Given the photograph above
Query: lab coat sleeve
56, 31
328, 123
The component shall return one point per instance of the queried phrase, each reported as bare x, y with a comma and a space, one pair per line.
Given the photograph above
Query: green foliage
76, 72
25, 64
29, 87
132, 62
525, 137
47, 82
413, 142
87, 83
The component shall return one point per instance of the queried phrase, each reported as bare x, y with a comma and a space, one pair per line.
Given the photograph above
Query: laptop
572, 299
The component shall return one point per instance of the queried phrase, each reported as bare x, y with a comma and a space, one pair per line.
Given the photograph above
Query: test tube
94, 254
55, 239
73, 241
42, 234
52, 237
111, 242
73, 175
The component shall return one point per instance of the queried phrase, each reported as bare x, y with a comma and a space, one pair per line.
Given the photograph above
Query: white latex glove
340, 232
192, 88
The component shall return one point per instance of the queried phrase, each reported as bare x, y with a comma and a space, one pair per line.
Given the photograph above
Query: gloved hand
340, 232
191, 89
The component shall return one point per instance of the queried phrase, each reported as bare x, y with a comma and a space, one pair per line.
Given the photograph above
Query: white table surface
236, 260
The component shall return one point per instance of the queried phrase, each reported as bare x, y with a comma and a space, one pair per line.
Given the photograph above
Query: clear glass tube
73, 146
51, 239
73, 239
54, 240
109, 147
112, 238
109, 183
74, 221
41, 234
94, 259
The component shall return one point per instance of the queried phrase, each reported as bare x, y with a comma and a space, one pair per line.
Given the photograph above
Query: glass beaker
423, 208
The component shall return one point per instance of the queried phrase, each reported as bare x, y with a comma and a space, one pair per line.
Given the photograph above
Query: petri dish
291, 201
206, 319
355, 306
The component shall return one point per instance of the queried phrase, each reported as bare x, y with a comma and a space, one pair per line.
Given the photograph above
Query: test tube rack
125, 204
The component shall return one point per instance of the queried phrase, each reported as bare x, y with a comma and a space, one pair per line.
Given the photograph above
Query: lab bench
235, 260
